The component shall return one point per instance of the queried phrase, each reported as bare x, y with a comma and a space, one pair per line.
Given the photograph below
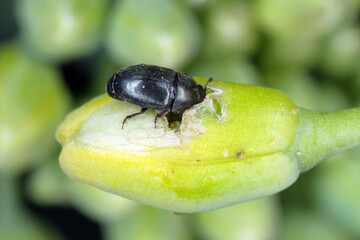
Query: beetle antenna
210, 80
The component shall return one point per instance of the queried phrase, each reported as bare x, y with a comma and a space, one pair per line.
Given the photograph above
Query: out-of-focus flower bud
341, 53
297, 28
304, 224
58, 30
299, 19
159, 32
306, 91
33, 100
336, 192
228, 69
256, 220
148, 223
229, 28
15, 221
295, 54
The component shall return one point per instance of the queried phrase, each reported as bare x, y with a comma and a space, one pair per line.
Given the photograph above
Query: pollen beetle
157, 88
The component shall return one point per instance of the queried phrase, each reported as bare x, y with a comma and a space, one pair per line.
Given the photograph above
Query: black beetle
154, 87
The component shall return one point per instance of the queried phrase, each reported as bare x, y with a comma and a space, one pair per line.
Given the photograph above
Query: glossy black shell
154, 87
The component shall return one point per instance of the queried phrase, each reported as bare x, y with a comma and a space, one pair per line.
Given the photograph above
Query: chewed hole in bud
174, 121
192, 117
217, 107
240, 155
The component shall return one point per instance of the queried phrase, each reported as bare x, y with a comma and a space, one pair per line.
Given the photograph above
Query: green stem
322, 134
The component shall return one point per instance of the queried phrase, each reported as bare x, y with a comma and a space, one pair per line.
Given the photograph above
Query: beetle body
154, 87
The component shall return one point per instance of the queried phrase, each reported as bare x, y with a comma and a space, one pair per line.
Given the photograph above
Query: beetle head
202, 93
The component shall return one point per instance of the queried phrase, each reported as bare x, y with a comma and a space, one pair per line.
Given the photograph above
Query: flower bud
239, 144
159, 32
33, 100
61, 30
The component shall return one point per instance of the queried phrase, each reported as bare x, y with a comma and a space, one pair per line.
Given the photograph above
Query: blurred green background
57, 54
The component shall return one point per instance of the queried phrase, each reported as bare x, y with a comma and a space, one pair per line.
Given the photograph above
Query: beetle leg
133, 115
160, 115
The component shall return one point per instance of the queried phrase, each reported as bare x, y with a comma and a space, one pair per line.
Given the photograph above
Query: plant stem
322, 134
